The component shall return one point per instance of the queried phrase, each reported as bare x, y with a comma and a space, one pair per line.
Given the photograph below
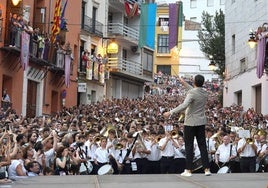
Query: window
162, 46
193, 19
163, 21
233, 44
210, 3
243, 65
193, 3
165, 69
222, 2
147, 60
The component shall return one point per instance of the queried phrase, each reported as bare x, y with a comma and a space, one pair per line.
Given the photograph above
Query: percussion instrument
223, 170
105, 170
86, 168
197, 163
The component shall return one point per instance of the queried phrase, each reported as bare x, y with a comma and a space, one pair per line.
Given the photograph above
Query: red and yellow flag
56, 21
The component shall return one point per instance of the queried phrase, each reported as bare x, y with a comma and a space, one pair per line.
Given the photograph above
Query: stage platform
246, 180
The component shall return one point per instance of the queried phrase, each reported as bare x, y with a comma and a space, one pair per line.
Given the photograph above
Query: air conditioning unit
135, 49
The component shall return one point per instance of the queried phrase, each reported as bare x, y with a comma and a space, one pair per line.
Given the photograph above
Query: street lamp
15, 2
212, 65
252, 41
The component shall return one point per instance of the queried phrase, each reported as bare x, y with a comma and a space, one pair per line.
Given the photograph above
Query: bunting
24, 52
68, 60
175, 23
147, 25
56, 21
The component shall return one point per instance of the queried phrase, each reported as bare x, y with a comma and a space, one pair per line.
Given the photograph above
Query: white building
192, 59
242, 86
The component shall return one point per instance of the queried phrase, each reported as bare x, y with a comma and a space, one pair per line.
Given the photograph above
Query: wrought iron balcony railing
92, 26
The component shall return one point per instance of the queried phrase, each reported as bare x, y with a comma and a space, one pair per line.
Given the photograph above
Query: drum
223, 170
105, 170
86, 168
197, 163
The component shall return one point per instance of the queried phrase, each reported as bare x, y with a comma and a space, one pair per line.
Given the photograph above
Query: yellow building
166, 60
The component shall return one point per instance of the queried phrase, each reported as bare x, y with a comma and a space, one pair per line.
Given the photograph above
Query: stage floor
236, 180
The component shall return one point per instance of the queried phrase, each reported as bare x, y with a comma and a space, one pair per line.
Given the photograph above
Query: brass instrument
249, 141
118, 146
181, 117
97, 140
174, 134
104, 131
158, 138
217, 139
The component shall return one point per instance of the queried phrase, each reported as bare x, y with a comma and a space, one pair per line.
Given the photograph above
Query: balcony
51, 59
126, 32
92, 26
124, 67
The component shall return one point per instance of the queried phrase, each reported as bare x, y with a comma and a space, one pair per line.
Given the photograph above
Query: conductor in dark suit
194, 123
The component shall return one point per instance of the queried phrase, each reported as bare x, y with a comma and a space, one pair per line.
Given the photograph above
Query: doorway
31, 98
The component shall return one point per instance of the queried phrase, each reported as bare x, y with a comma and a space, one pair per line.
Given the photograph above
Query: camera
79, 144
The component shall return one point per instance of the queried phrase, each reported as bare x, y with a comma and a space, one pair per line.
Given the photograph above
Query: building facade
242, 84
38, 71
191, 58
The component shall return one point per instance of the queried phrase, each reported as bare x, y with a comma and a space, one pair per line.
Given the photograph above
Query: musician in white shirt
167, 152
247, 151
155, 155
179, 161
225, 153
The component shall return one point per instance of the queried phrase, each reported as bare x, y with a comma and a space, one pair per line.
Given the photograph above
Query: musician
140, 151
179, 162
111, 141
123, 161
225, 153
248, 152
211, 148
154, 157
167, 153
263, 155
102, 155
92, 146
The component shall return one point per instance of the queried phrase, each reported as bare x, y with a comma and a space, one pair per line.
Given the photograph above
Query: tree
211, 39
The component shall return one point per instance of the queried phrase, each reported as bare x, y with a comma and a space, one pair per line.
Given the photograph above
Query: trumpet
158, 138
97, 140
249, 141
174, 134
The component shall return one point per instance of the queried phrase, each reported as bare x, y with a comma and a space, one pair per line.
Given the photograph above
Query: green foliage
211, 39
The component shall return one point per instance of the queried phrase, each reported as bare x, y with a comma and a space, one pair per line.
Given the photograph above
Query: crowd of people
131, 136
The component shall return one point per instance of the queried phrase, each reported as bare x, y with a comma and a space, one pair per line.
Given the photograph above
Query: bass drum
197, 163
105, 170
85, 168
223, 170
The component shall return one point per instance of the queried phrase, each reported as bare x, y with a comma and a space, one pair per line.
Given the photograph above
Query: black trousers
248, 164
153, 167
189, 133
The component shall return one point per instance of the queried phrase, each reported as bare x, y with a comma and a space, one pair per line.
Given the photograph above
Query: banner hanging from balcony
175, 23
131, 9
24, 52
68, 60
56, 21
147, 25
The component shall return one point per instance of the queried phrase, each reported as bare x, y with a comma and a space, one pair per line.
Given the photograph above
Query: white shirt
101, 155
155, 154
12, 168
168, 151
248, 151
224, 152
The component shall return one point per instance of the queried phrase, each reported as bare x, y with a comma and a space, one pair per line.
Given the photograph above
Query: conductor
194, 123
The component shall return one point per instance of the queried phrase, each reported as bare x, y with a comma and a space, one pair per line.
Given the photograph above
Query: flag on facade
56, 21
89, 70
24, 52
261, 55
147, 25
62, 19
68, 60
175, 23
131, 10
